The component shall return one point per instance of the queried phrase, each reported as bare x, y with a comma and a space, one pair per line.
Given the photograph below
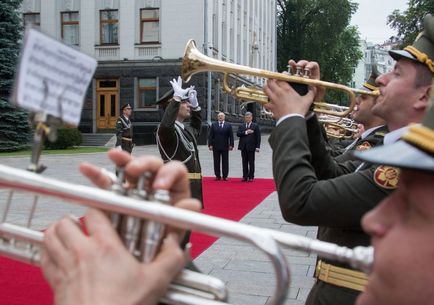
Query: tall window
147, 91
70, 28
33, 19
150, 25
108, 26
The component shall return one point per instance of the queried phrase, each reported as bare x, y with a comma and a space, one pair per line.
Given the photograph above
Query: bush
66, 137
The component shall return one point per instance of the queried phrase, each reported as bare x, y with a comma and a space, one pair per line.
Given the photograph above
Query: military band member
177, 141
96, 268
124, 130
374, 126
402, 226
312, 189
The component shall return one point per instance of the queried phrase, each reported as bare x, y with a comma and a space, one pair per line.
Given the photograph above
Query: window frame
32, 14
63, 23
146, 88
150, 20
109, 21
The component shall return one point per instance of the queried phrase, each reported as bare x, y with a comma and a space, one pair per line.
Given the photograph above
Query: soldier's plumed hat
422, 49
125, 106
370, 83
164, 100
415, 150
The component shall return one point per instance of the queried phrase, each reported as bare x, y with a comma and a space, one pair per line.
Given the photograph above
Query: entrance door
107, 104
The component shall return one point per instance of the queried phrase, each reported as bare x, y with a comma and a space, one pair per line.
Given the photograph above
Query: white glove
192, 96
177, 89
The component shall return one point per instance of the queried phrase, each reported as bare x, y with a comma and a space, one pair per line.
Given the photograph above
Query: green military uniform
335, 205
374, 138
178, 142
124, 134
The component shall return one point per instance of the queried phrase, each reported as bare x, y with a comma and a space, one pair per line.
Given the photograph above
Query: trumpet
339, 128
194, 62
24, 244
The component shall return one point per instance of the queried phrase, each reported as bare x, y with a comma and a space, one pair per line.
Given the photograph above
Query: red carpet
21, 284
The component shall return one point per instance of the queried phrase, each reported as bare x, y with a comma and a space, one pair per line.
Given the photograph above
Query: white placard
52, 77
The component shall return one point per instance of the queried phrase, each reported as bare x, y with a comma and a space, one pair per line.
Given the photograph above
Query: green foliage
10, 29
409, 23
14, 128
66, 137
319, 30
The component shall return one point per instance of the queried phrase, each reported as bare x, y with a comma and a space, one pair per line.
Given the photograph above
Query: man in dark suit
250, 141
221, 141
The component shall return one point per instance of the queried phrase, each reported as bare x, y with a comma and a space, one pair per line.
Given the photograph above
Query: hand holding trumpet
98, 269
284, 100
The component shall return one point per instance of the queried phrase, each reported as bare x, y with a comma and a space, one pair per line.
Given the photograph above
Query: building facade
373, 54
139, 45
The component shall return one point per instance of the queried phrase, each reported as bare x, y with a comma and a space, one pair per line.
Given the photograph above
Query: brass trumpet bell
195, 62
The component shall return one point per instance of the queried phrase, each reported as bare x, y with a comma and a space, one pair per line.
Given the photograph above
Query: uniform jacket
124, 129
172, 147
249, 142
220, 138
337, 204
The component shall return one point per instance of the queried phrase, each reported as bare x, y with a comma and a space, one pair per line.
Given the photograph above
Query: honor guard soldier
124, 130
177, 141
315, 190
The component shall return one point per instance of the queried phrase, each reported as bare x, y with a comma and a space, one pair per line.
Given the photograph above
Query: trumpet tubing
266, 240
195, 62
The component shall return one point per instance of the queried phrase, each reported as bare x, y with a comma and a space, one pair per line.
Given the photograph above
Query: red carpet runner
21, 284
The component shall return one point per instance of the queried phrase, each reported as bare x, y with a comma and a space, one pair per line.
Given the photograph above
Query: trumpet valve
298, 71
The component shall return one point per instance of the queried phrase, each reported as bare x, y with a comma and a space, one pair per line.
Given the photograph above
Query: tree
14, 127
410, 22
319, 30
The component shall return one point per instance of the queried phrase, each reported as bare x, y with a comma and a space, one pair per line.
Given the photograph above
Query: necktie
221, 125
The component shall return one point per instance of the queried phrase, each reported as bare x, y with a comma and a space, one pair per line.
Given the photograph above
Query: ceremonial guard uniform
124, 131
179, 142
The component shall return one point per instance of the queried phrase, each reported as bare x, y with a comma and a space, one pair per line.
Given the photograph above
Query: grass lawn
69, 151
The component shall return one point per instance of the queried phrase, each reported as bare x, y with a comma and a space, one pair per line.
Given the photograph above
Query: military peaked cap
415, 150
422, 49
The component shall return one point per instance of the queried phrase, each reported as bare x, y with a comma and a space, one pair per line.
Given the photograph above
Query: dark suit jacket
220, 138
249, 142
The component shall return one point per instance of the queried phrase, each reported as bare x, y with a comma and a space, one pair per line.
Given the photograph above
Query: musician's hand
210, 147
285, 100
97, 269
314, 73
171, 176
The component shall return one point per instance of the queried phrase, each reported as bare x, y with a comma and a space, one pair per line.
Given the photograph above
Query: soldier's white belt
341, 277
193, 176
127, 139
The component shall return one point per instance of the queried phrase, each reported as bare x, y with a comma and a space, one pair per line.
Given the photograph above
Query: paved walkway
246, 270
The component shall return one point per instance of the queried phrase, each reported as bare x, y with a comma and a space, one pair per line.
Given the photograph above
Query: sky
371, 18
